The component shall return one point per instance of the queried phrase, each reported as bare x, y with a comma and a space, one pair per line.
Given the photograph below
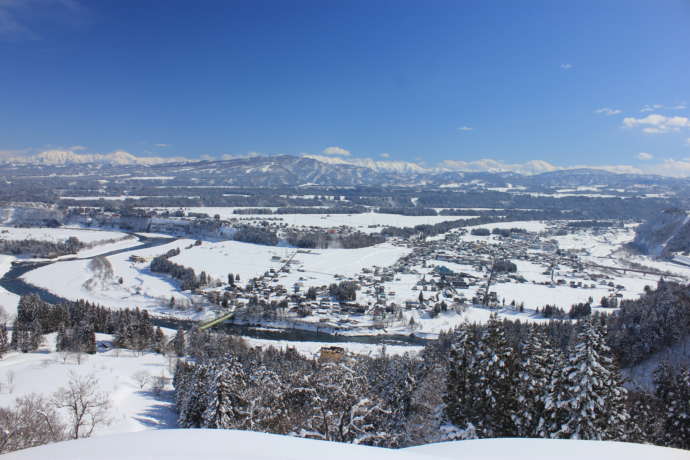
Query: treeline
502, 379
255, 235
538, 390
657, 320
303, 210
233, 386
42, 249
185, 275
76, 324
318, 239
426, 230
409, 211
322, 210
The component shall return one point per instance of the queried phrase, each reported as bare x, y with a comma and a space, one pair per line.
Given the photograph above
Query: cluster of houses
437, 287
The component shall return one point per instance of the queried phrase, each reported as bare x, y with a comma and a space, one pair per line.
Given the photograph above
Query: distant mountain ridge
305, 170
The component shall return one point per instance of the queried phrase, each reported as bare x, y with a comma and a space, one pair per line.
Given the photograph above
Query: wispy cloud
566, 66
645, 156
465, 128
22, 19
608, 111
385, 155
657, 124
162, 146
335, 150
653, 107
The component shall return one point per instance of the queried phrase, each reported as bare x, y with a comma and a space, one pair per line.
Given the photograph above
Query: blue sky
419, 81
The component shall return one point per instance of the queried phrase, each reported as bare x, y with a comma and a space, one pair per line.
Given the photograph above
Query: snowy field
133, 409
312, 349
316, 266
78, 279
366, 222
59, 234
204, 444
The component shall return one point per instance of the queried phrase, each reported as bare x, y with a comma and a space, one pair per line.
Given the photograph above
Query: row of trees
38, 248
76, 324
185, 275
320, 239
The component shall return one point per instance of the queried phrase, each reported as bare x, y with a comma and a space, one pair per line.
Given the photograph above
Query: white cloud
608, 111
566, 66
653, 107
657, 124
465, 128
385, 155
162, 146
672, 168
645, 156
335, 150
687, 141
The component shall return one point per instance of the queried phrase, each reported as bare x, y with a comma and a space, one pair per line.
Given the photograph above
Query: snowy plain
59, 234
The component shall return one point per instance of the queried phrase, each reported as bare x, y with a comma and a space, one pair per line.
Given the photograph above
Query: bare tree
158, 384
86, 406
32, 422
142, 378
10, 381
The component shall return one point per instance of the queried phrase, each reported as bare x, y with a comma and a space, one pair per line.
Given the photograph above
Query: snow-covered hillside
246, 445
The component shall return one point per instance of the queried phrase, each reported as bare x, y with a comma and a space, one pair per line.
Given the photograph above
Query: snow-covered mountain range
291, 170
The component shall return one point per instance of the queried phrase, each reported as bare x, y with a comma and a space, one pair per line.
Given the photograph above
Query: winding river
13, 282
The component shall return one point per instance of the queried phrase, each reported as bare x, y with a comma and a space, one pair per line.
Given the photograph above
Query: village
437, 283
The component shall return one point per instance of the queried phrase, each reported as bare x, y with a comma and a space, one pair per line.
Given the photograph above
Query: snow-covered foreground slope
133, 408
246, 445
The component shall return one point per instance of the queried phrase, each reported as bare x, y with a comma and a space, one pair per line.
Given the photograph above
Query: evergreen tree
179, 342
4, 343
497, 381
673, 389
159, 341
533, 376
589, 400
225, 404
464, 406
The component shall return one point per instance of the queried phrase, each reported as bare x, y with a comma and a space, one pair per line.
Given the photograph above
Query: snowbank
246, 445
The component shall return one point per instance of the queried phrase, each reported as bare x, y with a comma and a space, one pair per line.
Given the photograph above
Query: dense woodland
559, 379
498, 380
